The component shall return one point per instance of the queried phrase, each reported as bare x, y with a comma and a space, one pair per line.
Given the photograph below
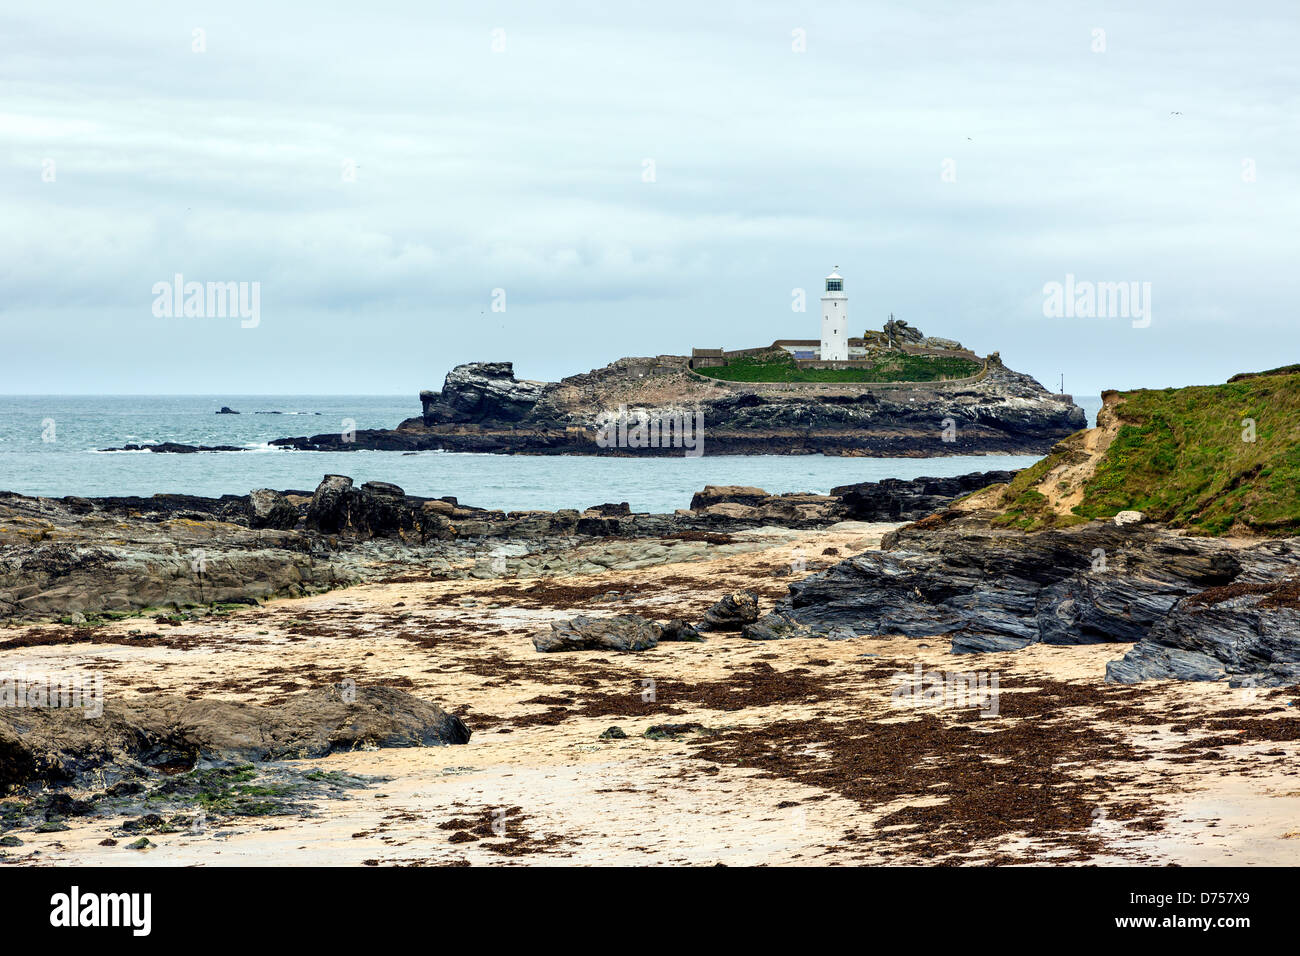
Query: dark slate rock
732, 613
895, 499
679, 630
1251, 628
270, 509
626, 632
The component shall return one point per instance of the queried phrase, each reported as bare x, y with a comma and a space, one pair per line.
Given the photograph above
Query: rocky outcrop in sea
483, 407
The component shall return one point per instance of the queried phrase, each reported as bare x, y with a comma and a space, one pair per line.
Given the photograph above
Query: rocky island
482, 407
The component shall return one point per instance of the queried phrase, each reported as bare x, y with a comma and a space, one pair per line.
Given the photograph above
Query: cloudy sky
639, 178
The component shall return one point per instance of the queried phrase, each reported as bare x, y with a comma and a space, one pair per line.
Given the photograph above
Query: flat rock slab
60, 744
626, 632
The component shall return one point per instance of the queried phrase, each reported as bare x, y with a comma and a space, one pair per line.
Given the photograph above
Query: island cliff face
482, 407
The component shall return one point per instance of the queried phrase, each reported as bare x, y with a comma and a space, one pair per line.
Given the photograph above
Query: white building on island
835, 320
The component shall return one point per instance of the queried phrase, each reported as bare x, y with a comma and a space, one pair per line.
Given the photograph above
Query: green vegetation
1186, 457
778, 365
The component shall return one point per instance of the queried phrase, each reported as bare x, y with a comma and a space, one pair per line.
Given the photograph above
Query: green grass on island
1214, 459
779, 366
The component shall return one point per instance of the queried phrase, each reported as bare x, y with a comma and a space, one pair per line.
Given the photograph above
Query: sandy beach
788, 752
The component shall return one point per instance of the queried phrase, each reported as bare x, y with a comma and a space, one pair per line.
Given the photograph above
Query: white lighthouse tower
835, 320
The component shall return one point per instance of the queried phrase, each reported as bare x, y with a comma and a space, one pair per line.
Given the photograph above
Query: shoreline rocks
66, 556
1193, 608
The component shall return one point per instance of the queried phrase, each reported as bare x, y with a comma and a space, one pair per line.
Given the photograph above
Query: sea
53, 446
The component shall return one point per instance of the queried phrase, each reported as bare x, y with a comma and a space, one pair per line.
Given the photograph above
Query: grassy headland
1215, 459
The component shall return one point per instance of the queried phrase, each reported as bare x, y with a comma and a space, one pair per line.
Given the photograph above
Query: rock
226, 410
1129, 517
380, 508
480, 391
667, 731
995, 590
376, 509
679, 630
614, 733
270, 509
730, 494
608, 510
934, 342
732, 613
61, 745
729, 509
328, 511
775, 626
894, 499
143, 843
1249, 629
175, 448
626, 632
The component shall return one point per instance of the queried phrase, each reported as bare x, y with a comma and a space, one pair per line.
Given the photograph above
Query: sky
412, 185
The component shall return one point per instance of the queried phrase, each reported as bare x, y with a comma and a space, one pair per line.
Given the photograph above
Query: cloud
526, 170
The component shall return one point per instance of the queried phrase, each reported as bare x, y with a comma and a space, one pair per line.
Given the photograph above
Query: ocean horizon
52, 445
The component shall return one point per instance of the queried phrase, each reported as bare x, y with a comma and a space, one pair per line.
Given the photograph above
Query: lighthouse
835, 320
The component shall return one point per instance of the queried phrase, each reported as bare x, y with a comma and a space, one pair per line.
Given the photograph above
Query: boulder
270, 509
379, 508
626, 632
775, 626
896, 499
328, 511
679, 630
732, 613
